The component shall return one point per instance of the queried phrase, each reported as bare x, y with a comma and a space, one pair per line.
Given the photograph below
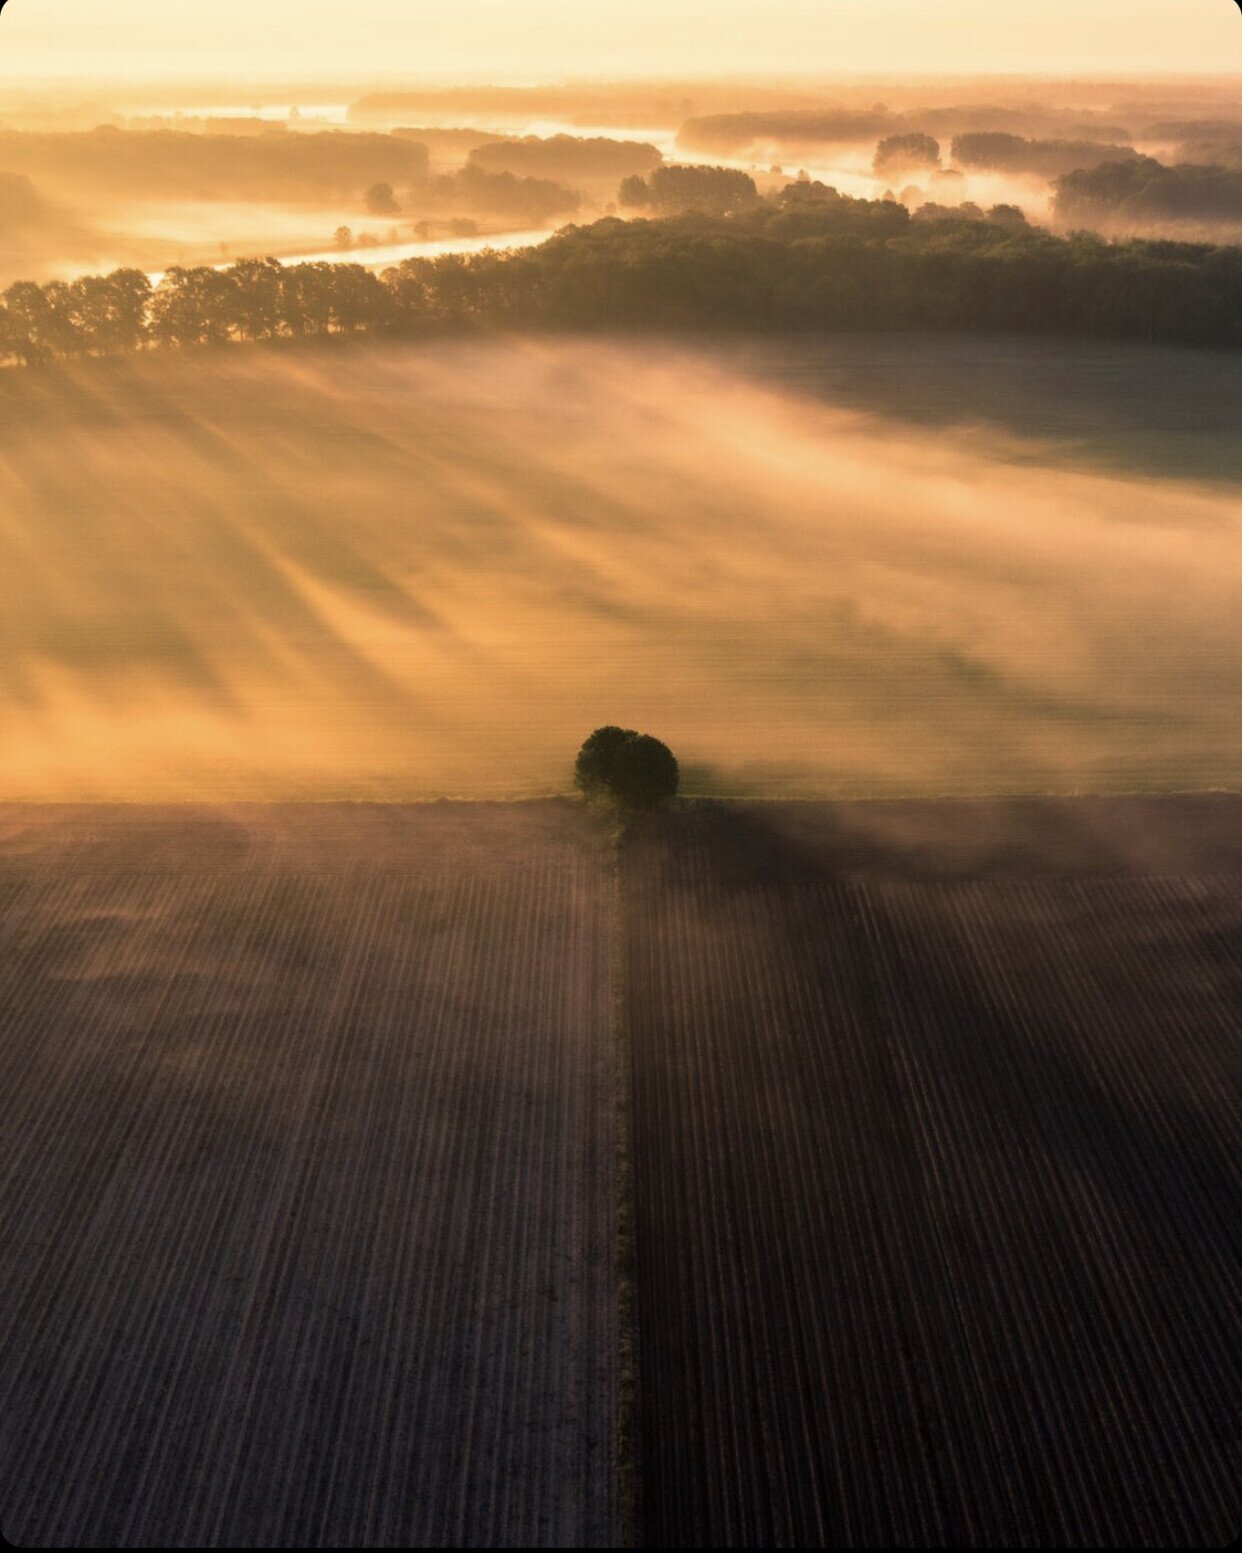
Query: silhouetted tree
634, 193
354, 298
593, 768
474, 188
713, 190
809, 259
381, 201
633, 768
566, 158
108, 312
1142, 190
1011, 216
192, 307
305, 303
30, 331
994, 151
61, 330
906, 154
256, 289
644, 772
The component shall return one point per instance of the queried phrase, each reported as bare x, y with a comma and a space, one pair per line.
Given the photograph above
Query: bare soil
306, 1178
936, 1112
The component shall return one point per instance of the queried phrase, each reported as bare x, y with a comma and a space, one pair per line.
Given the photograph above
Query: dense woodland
992, 151
1145, 190
736, 133
811, 259
675, 189
1215, 151
275, 165
911, 153
475, 191
566, 157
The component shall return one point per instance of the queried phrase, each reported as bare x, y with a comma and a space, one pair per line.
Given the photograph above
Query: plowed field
939, 1207
306, 1179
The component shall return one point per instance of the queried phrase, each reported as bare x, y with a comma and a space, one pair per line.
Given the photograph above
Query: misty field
306, 1193
407, 572
935, 1144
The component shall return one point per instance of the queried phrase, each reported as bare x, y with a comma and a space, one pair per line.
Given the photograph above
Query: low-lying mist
409, 572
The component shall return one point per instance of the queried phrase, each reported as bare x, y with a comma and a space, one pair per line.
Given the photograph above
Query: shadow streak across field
942, 840
1022, 1077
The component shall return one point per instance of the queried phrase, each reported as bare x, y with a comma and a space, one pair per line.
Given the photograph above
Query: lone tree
632, 768
381, 201
644, 772
593, 768
906, 153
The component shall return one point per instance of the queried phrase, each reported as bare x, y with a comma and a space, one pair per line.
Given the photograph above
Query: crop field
306, 1187
939, 1203
308, 1191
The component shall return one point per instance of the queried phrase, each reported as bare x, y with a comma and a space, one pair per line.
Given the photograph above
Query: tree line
794, 129
175, 164
810, 259
677, 188
567, 158
994, 152
1143, 189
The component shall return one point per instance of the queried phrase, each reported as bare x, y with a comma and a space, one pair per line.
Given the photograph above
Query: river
852, 176
382, 255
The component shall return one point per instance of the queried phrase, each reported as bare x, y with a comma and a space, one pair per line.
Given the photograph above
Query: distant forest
1145, 190
566, 157
735, 133
173, 164
996, 152
812, 259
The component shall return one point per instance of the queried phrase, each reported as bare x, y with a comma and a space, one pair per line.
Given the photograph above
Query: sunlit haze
538, 39
877, 609
620, 773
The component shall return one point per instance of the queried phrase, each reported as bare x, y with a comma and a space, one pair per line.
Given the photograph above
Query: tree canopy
676, 188
509, 195
644, 772
995, 152
1142, 190
381, 201
633, 768
566, 157
911, 153
737, 132
174, 164
810, 259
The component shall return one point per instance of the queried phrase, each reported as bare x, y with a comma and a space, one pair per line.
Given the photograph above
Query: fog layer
401, 573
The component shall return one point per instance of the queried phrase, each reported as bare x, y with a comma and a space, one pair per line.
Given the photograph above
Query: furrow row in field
1040, 1170
937, 1214
307, 1210
307, 1194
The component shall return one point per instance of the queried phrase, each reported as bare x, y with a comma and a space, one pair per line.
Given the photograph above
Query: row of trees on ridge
811, 259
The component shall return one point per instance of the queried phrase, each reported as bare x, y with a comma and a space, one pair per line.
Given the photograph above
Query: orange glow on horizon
539, 40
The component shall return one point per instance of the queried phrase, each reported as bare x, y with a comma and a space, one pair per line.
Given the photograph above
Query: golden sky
534, 40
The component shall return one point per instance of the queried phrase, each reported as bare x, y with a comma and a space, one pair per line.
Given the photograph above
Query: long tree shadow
1017, 1058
